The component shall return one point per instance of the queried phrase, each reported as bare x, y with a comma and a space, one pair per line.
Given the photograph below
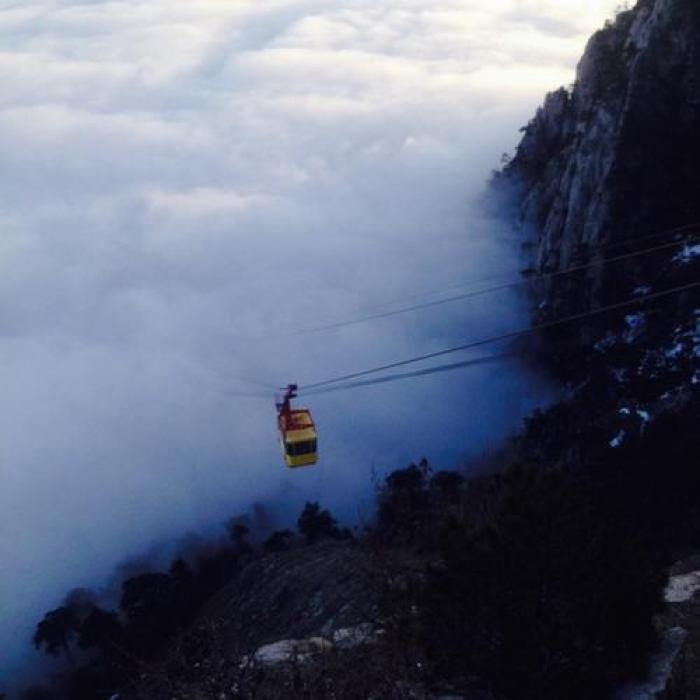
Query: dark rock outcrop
269, 623
296, 594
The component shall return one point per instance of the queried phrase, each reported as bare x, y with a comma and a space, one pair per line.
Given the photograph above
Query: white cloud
182, 180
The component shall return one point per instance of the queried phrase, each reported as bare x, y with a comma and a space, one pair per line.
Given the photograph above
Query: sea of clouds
184, 185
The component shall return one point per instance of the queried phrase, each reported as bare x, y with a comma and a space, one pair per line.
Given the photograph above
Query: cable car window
296, 449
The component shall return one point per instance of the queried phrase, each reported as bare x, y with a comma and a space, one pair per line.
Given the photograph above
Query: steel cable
480, 292
510, 335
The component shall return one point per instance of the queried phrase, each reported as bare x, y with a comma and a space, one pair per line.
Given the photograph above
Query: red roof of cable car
295, 419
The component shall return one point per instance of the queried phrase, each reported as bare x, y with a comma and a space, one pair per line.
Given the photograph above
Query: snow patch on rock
689, 252
661, 670
635, 325
351, 637
618, 440
674, 352
287, 650
303, 650
682, 588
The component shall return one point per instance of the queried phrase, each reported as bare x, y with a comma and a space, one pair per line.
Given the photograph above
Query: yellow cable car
297, 432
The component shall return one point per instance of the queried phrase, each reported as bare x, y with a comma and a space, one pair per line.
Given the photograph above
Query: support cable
487, 359
483, 291
505, 336
491, 278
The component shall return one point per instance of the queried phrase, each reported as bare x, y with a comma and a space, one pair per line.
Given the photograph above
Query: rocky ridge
612, 159
605, 170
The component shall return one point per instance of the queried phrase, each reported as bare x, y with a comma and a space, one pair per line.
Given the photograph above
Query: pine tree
55, 632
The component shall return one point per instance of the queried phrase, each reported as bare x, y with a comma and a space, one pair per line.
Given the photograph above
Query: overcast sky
184, 182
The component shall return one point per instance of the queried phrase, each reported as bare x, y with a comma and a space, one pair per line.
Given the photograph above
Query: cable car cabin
298, 438
297, 432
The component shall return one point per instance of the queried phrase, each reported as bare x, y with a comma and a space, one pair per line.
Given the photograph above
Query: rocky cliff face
605, 184
614, 159
605, 181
